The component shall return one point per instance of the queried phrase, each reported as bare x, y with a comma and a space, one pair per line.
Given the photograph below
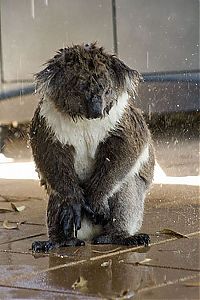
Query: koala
92, 149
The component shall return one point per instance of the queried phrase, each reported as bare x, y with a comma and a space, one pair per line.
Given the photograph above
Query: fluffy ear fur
128, 79
69, 65
52, 76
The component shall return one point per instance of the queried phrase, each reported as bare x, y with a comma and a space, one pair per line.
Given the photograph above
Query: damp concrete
168, 269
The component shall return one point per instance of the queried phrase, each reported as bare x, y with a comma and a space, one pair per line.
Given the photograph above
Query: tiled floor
168, 269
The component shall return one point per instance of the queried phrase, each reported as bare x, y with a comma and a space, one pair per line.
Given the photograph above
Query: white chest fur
84, 135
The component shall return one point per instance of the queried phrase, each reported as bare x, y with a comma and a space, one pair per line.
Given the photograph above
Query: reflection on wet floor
168, 269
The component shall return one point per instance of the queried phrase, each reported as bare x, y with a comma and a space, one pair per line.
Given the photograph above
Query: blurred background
158, 38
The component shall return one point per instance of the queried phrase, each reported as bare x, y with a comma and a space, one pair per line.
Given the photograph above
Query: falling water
147, 59
33, 9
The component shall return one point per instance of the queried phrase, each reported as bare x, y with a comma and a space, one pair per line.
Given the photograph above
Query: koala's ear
52, 76
44, 78
132, 80
127, 78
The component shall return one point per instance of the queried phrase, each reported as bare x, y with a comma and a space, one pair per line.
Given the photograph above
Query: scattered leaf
107, 263
17, 208
146, 260
5, 210
80, 284
172, 232
10, 227
192, 284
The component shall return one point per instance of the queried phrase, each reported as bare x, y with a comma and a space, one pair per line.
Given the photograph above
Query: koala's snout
95, 107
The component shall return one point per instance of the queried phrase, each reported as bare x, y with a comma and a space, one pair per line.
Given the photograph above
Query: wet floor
168, 269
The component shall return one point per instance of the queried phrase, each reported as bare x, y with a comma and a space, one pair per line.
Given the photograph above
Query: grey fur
85, 83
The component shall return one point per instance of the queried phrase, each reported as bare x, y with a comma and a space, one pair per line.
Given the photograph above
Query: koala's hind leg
126, 206
60, 227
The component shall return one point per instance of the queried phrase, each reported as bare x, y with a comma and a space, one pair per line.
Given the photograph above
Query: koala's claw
70, 214
42, 246
46, 246
88, 209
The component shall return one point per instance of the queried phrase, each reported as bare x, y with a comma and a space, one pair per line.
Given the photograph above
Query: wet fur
106, 162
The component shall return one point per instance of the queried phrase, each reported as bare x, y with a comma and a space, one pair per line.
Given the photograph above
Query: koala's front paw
101, 211
70, 216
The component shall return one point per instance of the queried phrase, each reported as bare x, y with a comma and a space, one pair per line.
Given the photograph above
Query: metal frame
1, 59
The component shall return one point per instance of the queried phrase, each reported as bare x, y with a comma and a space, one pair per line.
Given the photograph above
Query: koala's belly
88, 230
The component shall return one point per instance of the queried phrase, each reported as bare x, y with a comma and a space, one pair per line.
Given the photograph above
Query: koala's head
84, 81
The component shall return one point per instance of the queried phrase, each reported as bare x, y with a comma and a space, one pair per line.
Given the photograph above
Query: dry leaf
106, 263
146, 260
5, 210
172, 232
17, 208
192, 284
9, 227
142, 262
80, 284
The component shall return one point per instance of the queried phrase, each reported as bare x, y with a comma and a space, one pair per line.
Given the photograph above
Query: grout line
24, 223
66, 292
15, 252
162, 266
180, 280
24, 238
99, 257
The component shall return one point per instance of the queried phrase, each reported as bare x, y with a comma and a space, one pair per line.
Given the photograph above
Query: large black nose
95, 107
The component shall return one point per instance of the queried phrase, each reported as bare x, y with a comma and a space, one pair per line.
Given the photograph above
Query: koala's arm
116, 157
55, 164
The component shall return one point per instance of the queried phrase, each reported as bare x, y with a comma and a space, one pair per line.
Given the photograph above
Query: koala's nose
95, 107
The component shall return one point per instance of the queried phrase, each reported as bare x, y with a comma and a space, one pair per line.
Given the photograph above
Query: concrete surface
168, 269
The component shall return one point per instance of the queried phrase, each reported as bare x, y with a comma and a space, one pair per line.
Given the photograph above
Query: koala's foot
140, 239
42, 246
46, 246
